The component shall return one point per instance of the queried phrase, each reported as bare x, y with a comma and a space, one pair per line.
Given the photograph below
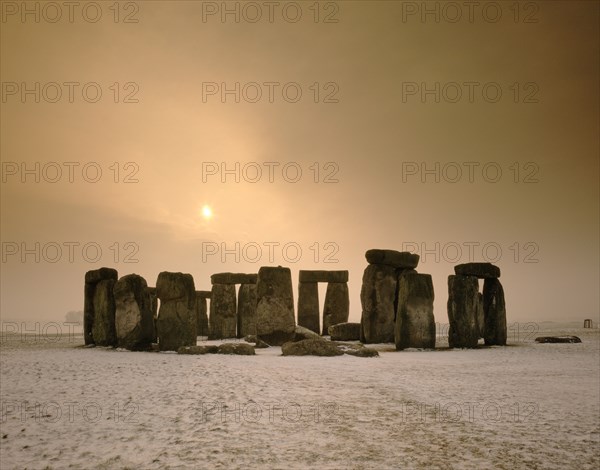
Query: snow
526, 405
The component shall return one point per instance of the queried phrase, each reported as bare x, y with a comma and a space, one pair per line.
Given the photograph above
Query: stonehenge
473, 314
177, 313
134, 320
99, 307
396, 300
337, 299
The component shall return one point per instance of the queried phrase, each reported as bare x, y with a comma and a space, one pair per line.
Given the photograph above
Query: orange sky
370, 130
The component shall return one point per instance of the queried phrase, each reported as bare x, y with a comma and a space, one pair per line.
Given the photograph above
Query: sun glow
207, 212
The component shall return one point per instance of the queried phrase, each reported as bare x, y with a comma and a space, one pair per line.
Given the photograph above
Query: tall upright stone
463, 303
134, 320
308, 306
154, 303
246, 310
494, 308
337, 305
480, 316
202, 313
378, 297
99, 307
223, 312
275, 322
415, 323
177, 314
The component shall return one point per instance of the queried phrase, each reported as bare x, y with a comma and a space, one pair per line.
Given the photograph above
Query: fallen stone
275, 319
308, 305
357, 350
396, 259
415, 323
258, 343
479, 270
233, 278
558, 339
240, 349
337, 305
198, 350
322, 276
311, 347
134, 321
301, 333
345, 332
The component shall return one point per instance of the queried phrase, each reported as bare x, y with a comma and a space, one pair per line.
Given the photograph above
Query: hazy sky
402, 96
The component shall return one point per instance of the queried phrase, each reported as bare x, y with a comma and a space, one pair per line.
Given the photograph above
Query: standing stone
223, 314
99, 307
415, 324
201, 314
378, 296
463, 301
480, 316
275, 322
154, 301
494, 309
134, 321
246, 311
308, 305
177, 314
337, 305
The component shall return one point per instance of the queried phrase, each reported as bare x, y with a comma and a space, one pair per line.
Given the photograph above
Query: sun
207, 212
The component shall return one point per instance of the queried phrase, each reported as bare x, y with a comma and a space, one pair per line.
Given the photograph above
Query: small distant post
587, 323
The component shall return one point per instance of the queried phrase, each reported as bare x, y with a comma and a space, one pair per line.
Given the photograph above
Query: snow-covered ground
526, 405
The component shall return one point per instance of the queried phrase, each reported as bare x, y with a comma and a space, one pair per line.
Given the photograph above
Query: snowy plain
523, 406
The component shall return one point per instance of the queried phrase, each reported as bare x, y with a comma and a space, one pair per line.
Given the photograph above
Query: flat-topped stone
558, 339
396, 259
322, 276
233, 278
479, 270
97, 275
204, 294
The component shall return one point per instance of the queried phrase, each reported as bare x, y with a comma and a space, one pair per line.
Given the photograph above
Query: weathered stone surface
558, 339
301, 333
322, 276
311, 347
275, 320
479, 270
337, 305
204, 294
258, 343
233, 278
377, 296
92, 278
201, 315
134, 321
494, 309
154, 301
345, 332
223, 312
103, 328
246, 310
240, 349
196, 350
357, 350
415, 324
308, 305
102, 274
480, 315
396, 259
463, 300
176, 322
